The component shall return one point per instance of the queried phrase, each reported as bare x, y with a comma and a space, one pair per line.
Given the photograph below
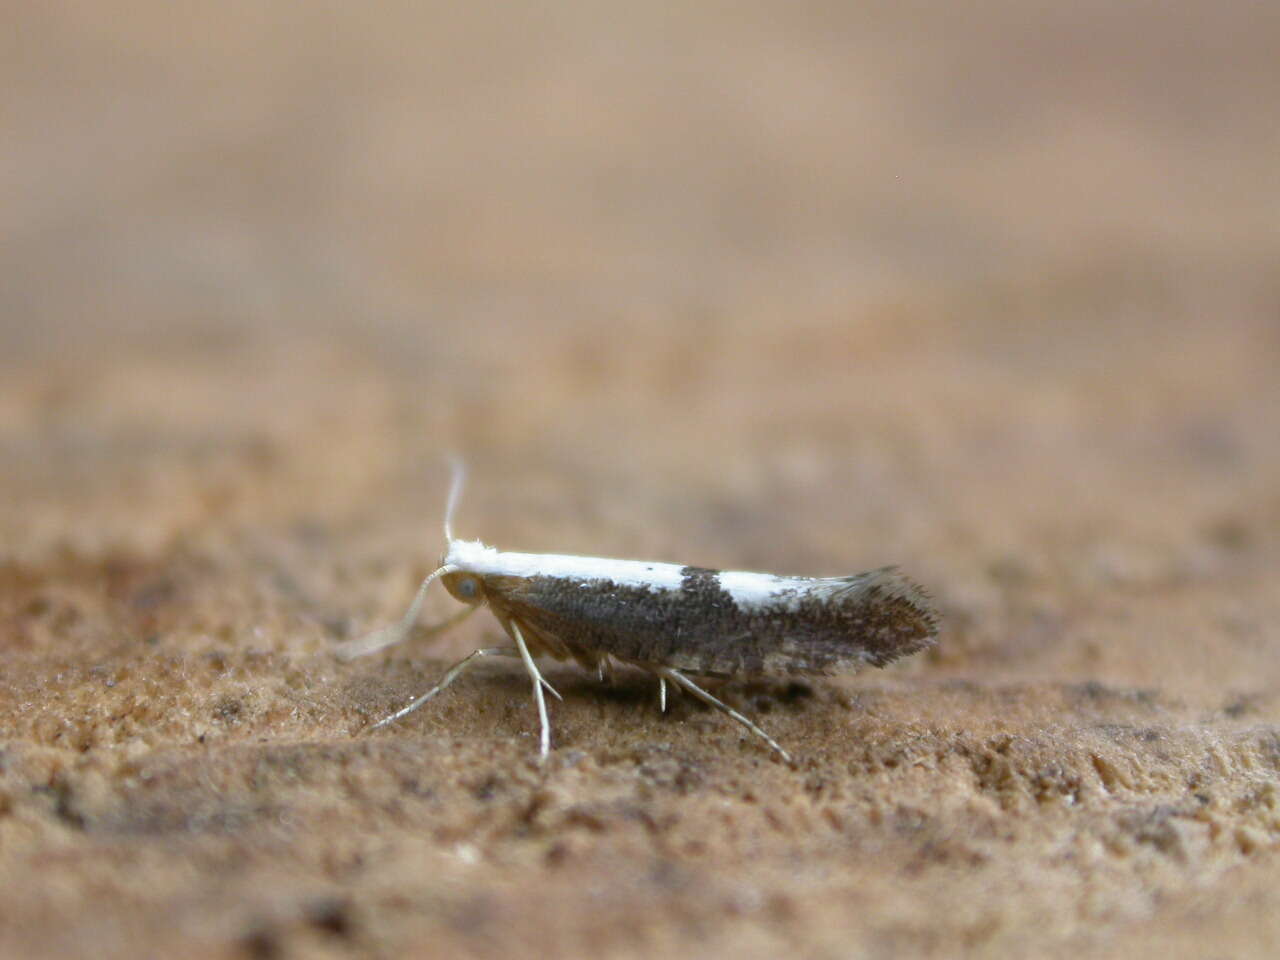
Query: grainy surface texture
805, 288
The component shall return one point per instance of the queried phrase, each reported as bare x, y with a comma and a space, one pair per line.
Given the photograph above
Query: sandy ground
802, 288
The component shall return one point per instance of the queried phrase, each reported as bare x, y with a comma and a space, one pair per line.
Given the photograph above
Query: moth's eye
468, 588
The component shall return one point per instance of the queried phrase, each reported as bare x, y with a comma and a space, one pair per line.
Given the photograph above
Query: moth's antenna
396, 632
386, 636
459, 471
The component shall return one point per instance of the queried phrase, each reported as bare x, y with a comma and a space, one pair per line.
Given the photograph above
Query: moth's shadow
631, 686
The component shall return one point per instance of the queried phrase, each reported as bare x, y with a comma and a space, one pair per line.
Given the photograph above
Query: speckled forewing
808, 626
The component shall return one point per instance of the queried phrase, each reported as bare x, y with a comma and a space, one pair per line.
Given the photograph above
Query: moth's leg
680, 680
538, 684
386, 636
452, 674
604, 669
548, 687
662, 694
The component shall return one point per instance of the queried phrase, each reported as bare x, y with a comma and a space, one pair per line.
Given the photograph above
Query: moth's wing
873, 618
818, 626
590, 621
544, 641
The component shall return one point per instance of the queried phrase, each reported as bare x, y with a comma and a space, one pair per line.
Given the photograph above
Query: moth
674, 622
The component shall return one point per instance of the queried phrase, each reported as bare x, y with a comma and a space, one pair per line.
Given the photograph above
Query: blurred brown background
989, 291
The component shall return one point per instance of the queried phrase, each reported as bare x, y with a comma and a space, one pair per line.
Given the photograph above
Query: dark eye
468, 589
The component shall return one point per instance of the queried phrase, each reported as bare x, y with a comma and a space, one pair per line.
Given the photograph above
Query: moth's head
468, 560
464, 586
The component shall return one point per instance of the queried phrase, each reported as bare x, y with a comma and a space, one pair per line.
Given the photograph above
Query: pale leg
538, 683
452, 674
680, 680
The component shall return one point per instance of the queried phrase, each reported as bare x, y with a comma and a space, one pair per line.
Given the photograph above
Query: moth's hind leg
680, 680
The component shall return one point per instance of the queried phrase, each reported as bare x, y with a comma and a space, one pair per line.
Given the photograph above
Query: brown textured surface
804, 288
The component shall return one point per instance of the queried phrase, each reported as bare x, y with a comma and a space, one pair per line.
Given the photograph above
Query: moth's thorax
474, 557
470, 555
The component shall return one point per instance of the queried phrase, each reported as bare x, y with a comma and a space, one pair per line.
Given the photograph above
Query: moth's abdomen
730, 624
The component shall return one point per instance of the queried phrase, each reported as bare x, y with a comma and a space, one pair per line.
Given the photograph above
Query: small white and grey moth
670, 620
